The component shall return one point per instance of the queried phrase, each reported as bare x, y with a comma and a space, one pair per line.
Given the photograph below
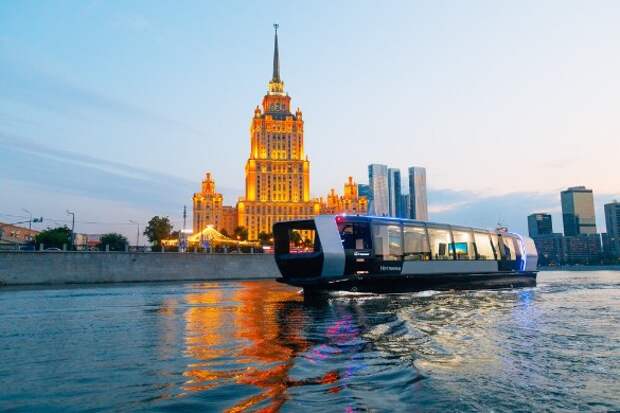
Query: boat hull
394, 283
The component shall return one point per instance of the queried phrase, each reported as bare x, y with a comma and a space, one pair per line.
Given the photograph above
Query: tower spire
276, 56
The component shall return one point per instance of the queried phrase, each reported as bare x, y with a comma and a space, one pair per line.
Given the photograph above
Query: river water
258, 346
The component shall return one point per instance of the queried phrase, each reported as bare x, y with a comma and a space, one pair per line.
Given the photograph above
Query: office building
582, 249
277, 172
363, 190
418, 202
379, 192
539, 224
612, 219
404, 206
578, 211
611, 240
394, 192
550, 249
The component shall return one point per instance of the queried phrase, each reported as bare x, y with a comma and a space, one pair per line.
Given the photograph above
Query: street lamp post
30, 219
137, 233
72, 227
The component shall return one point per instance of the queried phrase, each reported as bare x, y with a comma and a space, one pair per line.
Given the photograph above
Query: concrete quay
32, 268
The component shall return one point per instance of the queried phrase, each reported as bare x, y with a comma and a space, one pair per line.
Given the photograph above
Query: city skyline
152, 144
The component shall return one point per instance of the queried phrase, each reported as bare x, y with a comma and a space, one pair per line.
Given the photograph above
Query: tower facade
539, 224
277, 172
207, 206
612, 219
394, 193
578, 211
349, 203
379, 204
418, 201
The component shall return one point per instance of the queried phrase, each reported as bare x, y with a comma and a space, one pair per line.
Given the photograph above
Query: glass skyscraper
539, 224
404, 206
418, 200
379, 193
363, 190
612, 219
578, 211
394, 192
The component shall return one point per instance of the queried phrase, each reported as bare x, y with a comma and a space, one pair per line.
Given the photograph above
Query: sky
115, 109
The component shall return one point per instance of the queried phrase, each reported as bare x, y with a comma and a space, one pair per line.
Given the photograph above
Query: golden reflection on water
240, 327
250, 333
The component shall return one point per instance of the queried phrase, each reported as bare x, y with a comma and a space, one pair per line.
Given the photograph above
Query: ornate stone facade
207, 206
277, 173
349, 203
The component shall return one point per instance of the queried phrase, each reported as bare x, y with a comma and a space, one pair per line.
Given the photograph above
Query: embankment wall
22, 268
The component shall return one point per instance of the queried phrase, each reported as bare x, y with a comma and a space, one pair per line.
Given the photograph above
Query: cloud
512, 209
43, 90
72, 173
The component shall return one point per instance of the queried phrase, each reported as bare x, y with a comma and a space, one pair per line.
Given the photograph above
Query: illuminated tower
277, 173
349, 203
207, 206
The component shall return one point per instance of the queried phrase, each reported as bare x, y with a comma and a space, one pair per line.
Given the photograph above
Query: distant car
53, 249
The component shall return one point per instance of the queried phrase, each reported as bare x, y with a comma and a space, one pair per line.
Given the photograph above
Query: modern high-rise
404, 206
277, 173
418, 200
539, 224
394, 192
363, 190
379, 193
611, 240
578, 211
612, 219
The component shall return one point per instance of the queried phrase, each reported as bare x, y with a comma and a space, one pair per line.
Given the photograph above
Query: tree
241, 233
158, 228
115, 241
224, 232
265, 238
54, 237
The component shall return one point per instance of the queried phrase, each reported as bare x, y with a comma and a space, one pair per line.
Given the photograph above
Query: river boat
383, 254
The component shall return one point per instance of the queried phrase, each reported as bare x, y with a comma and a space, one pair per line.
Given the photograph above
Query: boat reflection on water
256, 345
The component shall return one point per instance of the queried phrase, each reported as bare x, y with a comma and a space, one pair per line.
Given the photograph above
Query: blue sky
116, 109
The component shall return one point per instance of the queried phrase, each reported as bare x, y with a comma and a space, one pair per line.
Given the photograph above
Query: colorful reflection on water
259, 346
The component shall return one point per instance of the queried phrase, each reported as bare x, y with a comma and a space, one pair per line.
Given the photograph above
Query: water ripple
259, 346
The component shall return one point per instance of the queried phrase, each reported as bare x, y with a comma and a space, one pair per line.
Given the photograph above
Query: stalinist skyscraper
277, 173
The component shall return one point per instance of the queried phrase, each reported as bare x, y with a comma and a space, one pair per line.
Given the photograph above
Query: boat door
510, 253
387, 243
357, 244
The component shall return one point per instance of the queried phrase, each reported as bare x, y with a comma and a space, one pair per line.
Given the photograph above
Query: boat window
483, 246
509, 251
440, 240
416, 247
355, 235
387, 242
297, 237
463, 244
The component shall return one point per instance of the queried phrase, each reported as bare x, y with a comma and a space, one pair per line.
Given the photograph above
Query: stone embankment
23, 268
